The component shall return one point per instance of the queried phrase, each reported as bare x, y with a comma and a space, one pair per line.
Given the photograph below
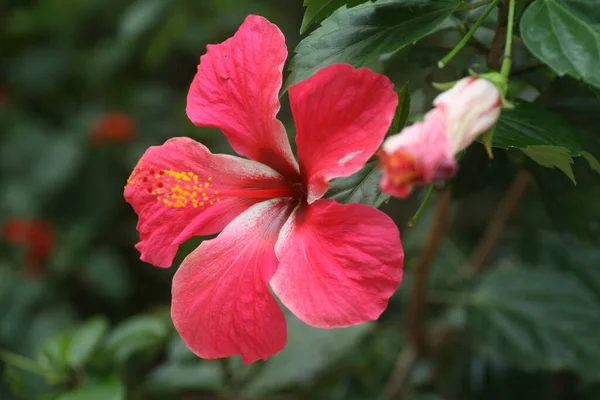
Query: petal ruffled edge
236, 90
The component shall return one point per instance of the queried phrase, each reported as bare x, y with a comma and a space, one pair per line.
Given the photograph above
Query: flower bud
425, 151
420, 154
471, 107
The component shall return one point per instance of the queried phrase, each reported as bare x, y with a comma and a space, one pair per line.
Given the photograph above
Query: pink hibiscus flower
331, 264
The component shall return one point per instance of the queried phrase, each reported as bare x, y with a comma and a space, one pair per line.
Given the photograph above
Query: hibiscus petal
181, 189
338, 264
236, 90
222, 305
341, 117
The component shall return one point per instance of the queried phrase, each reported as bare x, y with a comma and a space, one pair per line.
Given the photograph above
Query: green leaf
565, 34
174, 377
568, 254
530, 125
85, 339
72, 348
552, 157
360, 35
318, 10
594, 164
537, 319
571, 208
52, 354
308, 351
361, 187
140, 333
402, 111
544, 136
111, 389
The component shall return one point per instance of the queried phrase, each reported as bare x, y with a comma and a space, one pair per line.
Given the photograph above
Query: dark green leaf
530, 125
537, 319
85, 339
308, 350
360, 35
175, 377
571, 208
565, 34
568, 254
402, 110
362, 187
111, 389
318, 10
544, 136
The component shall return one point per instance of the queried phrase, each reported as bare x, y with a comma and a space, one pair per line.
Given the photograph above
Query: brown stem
497, 223
417, 301
493, 59
404, 364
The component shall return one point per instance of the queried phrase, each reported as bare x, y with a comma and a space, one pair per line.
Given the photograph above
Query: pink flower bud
471, 107
420, 154
425, 151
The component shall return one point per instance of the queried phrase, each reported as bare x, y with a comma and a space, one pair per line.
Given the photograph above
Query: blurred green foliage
91, 321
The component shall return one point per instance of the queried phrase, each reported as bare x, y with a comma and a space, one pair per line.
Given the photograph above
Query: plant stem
418, 291
497, 223
507, 62
442, 63
404, 364
417, 215
417, 337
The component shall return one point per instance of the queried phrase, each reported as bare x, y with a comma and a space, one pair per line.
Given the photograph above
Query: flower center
180, 189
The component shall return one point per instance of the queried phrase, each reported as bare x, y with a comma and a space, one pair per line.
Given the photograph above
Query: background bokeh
87, 85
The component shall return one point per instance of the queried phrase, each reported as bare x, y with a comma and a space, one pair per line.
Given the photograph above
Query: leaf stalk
444, 61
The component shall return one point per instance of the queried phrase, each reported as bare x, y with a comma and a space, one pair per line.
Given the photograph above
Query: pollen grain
175, 189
